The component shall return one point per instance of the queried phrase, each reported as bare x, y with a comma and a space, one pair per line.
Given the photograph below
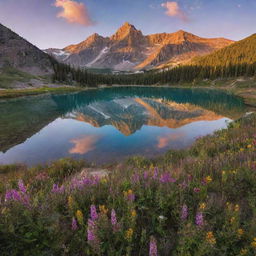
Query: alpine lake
111, 124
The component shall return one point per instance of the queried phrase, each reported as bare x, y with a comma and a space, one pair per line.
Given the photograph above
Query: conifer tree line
66, 74
238, 59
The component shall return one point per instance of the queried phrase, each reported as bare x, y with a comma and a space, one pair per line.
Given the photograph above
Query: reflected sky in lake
107, 125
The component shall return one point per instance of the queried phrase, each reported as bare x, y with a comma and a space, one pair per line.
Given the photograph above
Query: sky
58, 23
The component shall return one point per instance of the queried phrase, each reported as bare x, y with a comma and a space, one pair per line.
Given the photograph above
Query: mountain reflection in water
110, 124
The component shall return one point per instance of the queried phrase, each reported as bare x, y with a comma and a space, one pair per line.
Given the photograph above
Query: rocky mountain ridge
18, 53
129, 49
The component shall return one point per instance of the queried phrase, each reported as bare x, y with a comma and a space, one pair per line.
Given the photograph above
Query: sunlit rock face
129, 49
129, 114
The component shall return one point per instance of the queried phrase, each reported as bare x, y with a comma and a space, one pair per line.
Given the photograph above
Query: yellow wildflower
70, 202
237, 208
103, 209
253, 243
249, 146
223, 172
133, 213
104, 181
129, 192
232, 220
128, 234
240, 231
208, 179
241, 149
80, 217
210, 238
243, 252
202, 206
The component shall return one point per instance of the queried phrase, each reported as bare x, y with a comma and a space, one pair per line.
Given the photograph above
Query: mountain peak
124, 31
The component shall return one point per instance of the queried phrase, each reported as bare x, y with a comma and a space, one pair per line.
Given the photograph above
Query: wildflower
22, 187
199, 219
133, 213
103, 209
104, 181
94, 214
197, 190
135, 178
155, 175
241, 149
253, 243
240, 231
232, 219
128, 234
91, 230
237, 208
184, 212
57, 189
210, 238
80, 217
113, 218
70, 202
249, 146
243, 251
74, 224
202, 206
208, 179
129, 194
152, 247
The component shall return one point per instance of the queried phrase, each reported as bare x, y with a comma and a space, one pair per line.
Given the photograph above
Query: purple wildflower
155, 173
131, 197
145, 175
74, 224
91, 230
22, 187
184, 212
166, 178
94, 214
152, 247
57, 189
199, 219
135, 178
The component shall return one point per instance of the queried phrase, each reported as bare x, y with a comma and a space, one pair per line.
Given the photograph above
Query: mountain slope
17, 53
129, 49
243, 51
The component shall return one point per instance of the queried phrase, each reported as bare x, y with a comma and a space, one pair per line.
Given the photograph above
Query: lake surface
110, 124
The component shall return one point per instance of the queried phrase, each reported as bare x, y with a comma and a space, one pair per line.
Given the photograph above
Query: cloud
73, 12
174, 10
83, 145
165, 140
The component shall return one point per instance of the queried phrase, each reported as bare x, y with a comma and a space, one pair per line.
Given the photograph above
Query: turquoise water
111, 124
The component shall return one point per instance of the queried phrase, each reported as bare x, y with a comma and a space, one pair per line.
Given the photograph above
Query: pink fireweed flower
184, 212
152, 247
113, 218
94, 214
74, 224
197, 190
22, 187
199, 219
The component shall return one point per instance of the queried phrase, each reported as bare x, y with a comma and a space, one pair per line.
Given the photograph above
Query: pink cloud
173, 9
84, 144
73, 12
